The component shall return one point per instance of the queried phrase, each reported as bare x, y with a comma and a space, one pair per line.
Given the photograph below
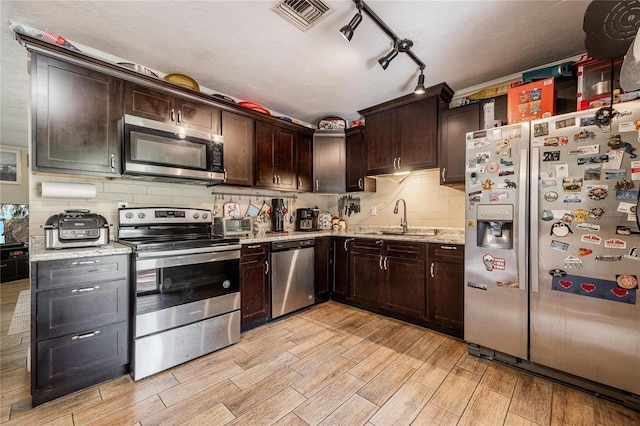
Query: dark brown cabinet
304, 161
340, 268
322, 256
275, 157
165, 107
405, 278
239, 148
445, 296
366, 273
356, 180
255, 305
76, 118
80, 324
401, 135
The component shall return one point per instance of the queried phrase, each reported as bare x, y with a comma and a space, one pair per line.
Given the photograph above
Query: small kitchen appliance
232, 226
75, 228
307, 219
277, 215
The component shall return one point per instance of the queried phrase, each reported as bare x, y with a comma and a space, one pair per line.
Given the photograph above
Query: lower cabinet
255, 293
322, 258
79, 324
445, 293
366, 275
405, 265
340, 268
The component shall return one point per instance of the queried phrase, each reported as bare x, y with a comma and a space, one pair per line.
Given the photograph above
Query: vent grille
304, 14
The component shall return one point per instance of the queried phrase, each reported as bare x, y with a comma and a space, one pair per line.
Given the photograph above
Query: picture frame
10, 166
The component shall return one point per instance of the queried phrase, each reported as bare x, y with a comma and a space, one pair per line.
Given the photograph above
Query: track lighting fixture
399, 45
347, 30
420, 89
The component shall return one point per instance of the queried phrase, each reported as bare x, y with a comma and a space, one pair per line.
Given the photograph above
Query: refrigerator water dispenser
495, 226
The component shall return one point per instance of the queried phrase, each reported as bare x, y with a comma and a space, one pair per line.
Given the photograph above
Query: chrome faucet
403, 222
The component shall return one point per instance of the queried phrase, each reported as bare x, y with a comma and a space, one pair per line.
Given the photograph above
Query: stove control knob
205, 215
141, 215
196, 215
128, 215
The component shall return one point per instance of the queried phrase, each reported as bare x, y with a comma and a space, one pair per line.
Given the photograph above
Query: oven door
178, 289
158, 149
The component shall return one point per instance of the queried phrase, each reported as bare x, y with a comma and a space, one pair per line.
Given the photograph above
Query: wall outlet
373, 211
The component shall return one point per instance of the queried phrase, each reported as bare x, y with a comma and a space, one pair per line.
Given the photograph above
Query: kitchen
415, 187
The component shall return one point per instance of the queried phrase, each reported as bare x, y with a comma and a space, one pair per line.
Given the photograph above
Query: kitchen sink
396, 233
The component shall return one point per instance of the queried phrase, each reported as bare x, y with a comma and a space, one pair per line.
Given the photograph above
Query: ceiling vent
304, 14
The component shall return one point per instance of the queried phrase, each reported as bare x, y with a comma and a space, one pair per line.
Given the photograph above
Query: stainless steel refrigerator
553, 246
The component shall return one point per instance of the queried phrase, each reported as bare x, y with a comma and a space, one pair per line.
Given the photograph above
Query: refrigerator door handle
534, 200
522, 219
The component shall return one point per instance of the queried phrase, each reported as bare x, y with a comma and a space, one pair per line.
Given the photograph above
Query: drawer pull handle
433, 266
266, 267
385, 263
85, 262
380, 262
254, 246
86, 335
85, 289
448, 248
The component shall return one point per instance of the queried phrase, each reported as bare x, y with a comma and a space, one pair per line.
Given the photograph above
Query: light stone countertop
37, 252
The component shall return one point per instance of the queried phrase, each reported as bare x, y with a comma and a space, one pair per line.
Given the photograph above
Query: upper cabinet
356, 178
304, 155
329, 161
402, 134
275, 157
76, 116
239, 148
165, 107
454, 124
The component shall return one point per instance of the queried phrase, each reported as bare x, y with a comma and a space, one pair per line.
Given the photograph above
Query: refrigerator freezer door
576, 325
496, 239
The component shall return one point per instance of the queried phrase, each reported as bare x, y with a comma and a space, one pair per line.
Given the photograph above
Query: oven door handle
182, 260
182, 252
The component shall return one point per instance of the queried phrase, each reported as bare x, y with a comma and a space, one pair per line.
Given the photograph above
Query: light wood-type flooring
328, 365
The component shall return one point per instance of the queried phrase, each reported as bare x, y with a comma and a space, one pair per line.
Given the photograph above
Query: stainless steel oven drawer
173, 347
175, 316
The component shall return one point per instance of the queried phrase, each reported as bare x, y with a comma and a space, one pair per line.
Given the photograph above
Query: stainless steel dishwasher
292, 276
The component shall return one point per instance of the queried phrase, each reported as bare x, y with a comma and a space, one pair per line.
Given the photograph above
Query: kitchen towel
68, 190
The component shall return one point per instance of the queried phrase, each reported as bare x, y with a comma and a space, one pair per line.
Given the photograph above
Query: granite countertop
37, 252
421, 234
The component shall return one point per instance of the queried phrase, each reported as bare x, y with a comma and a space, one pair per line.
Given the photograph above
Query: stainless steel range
187, 289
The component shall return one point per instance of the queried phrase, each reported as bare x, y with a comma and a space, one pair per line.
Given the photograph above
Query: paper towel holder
67, 190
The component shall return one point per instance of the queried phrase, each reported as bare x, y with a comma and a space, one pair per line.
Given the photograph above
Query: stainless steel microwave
161, 151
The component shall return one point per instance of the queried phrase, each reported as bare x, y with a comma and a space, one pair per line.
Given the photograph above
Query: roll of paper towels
68, 190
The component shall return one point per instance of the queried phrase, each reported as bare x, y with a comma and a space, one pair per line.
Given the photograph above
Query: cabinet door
8, 270
380, 142
265, 154
304, 155
286, 160
454, 125
239, 148
446, 296
254, 287
198, 116
340, 270
151, 104
406, 286
322, 255
418, 134
76, 115
366, 279
329, 163
355, 163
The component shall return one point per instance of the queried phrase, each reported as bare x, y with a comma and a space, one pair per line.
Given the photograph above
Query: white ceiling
244, 50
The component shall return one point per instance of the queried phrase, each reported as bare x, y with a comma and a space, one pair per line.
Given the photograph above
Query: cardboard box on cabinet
531, 101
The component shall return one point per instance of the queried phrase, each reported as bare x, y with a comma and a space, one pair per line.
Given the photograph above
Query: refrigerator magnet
551, 141
557, 273
559, 245
597, 192
487, 185
492, 167
507, 172
509, 163
550, 196
572, 262
588, 227
572, 184
613, 160
587, 121
494, 263
597, 212
634, 254
551, 156
591, 239
572, 197
567, 122
546, 215
624, 184
618, 173
626, 195
582, 252
580, 215
615, 243
560, 229
540, 129
584, 136
592, 172
635, 170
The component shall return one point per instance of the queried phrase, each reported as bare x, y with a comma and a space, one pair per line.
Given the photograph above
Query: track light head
420, 89
386, 60
347, 30
404, 45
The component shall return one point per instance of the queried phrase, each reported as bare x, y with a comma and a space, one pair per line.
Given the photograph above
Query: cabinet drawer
251, 252
8, 270
82, 354
406, 250
366, 246
452, 253
81, 271
74, 309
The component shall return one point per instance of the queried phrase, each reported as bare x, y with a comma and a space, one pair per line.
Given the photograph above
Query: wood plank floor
329, 365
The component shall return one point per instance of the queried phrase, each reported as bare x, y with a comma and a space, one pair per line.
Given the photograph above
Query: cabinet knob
380, 262
173, 115
385, 263
179, 116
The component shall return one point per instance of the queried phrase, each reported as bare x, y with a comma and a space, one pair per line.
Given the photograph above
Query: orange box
531, 101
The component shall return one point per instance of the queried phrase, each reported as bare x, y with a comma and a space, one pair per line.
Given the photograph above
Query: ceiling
246, 51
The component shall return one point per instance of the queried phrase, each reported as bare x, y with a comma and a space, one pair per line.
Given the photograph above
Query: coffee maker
277, 215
